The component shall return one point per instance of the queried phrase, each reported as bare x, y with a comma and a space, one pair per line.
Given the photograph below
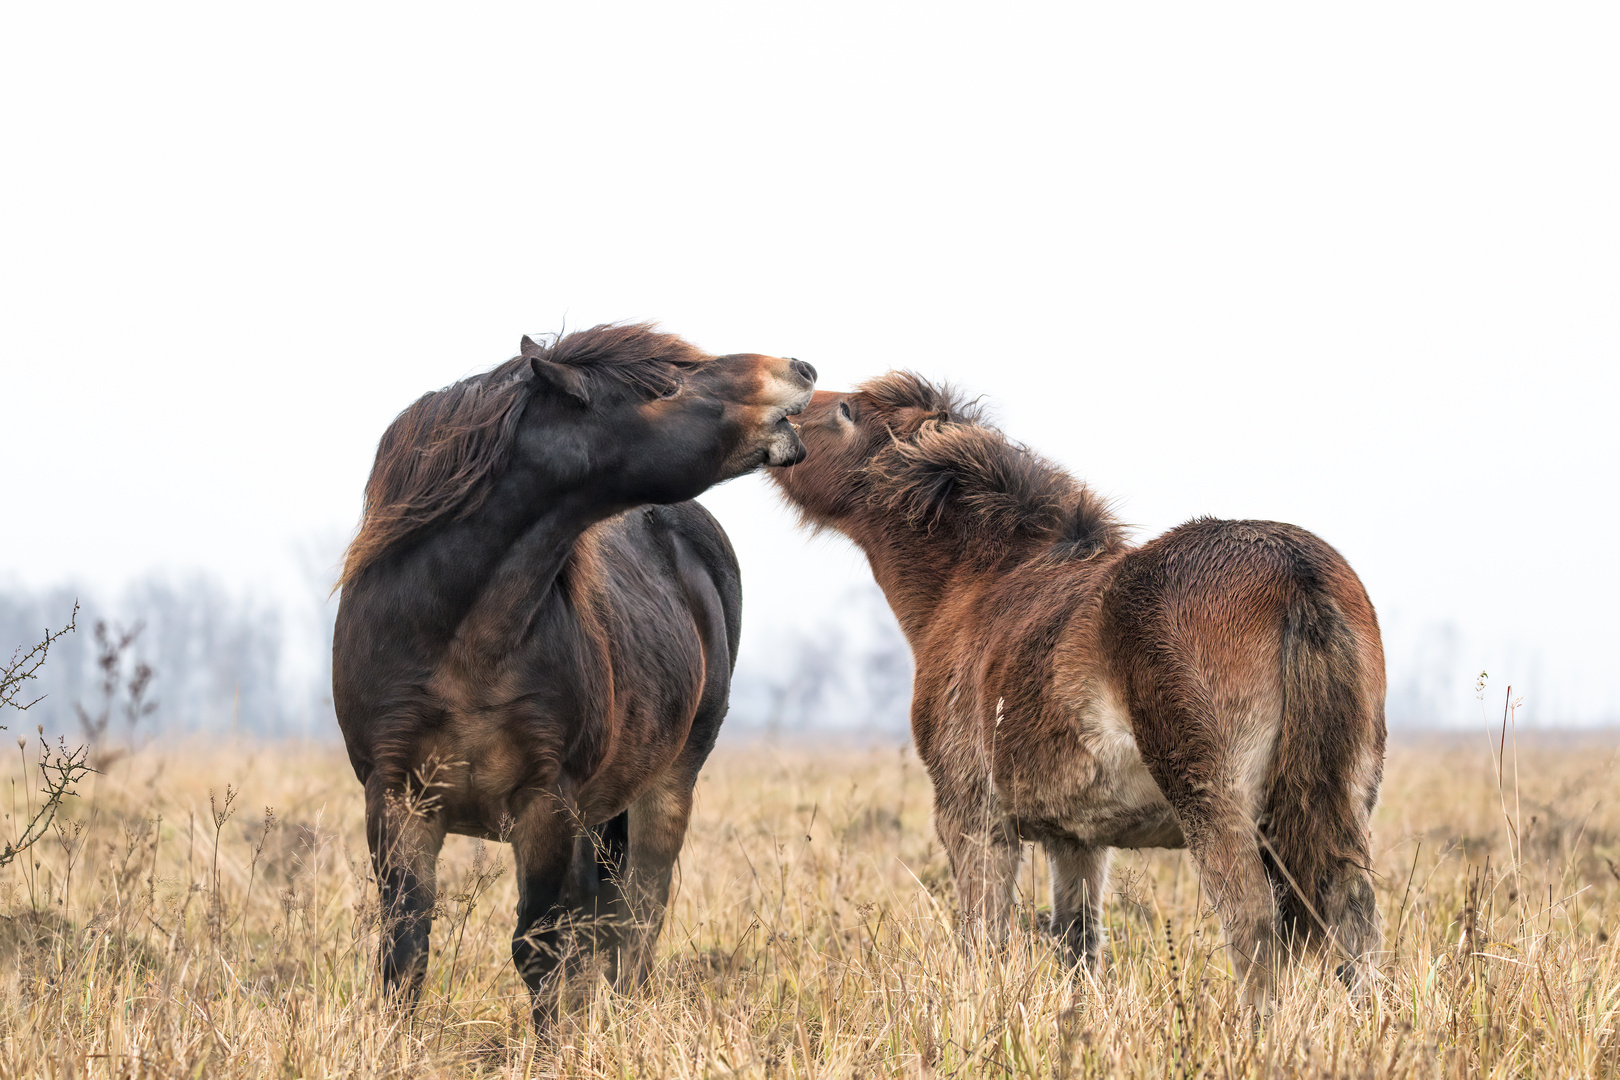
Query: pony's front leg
405, 840
658, 821
543, 847
1079, 879
984, 860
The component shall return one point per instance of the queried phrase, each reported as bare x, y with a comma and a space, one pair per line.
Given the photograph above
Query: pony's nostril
803, 369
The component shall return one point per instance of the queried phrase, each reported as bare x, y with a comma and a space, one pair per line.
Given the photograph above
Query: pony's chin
785, 447
781, 446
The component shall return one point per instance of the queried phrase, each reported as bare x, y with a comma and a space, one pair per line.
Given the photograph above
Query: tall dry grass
175, 926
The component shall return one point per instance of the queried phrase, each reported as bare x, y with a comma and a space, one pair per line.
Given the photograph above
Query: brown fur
1220, 687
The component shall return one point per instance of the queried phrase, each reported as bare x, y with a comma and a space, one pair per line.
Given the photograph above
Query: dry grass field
178, 927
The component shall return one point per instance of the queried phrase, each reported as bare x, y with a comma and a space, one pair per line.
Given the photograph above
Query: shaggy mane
441, 455
955, 471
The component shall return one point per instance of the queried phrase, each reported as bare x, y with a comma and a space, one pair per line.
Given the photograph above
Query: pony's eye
843, 410
674, 390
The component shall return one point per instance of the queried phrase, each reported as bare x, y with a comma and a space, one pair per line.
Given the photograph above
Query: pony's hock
1219, 688
537, 630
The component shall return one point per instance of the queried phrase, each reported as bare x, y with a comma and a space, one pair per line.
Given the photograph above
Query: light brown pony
1219, 688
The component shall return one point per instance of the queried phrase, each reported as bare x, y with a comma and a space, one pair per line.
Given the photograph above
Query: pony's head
614, 416
846, 436
903, 455
644, 417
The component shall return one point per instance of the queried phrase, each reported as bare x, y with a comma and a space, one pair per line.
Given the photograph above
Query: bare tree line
193, 655
164, 655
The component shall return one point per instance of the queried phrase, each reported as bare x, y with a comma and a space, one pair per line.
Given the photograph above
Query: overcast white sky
1354, 267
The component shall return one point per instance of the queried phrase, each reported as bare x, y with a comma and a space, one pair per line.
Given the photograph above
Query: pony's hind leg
1205, 763
1211, 804
1224, 847
594, 893
405, 838
658, 821
1079, 879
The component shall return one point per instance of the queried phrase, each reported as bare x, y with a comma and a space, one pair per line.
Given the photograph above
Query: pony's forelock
898, 391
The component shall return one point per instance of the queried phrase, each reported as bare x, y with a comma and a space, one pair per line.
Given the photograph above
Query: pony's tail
1315, 820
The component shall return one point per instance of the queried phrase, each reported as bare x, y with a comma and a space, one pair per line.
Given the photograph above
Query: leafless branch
60, 771
24, 666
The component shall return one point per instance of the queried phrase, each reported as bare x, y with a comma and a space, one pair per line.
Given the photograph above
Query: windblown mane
954, 471
440, 456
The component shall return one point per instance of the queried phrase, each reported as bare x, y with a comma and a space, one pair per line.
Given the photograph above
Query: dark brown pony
537, 631
1219, 688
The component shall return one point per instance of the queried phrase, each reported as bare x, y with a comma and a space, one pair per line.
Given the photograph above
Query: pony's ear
560, 377
530, 348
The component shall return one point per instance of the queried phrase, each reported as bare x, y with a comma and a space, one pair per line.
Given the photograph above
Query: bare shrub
60, 769
122, 693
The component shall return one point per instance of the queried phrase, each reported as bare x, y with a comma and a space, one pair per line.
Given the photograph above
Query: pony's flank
438, 458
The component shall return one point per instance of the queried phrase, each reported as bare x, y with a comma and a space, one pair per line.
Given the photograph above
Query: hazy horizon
1354, 269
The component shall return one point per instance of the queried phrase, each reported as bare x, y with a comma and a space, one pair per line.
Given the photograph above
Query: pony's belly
1121, 807
1119, 804
1125, 826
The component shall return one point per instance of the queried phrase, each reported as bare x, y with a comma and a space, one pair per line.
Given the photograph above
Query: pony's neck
492, 569
523, 576
914, 573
